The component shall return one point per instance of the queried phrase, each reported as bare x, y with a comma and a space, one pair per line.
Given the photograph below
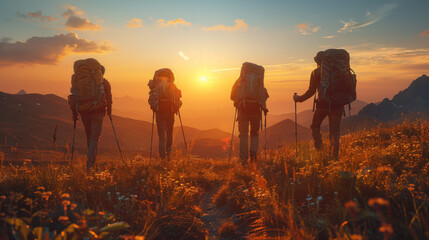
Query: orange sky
388, 50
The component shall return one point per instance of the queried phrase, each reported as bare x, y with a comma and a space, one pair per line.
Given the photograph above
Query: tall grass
378, 189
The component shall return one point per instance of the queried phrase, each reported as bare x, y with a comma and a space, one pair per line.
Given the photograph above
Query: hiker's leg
96, 126
169, 129
160, 124
318, 117
334, 129
255, 124
243, 129
86, 120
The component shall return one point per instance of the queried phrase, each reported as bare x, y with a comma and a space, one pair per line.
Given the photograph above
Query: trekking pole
232, 136
296, 131
116, 137
74, 135
151, 138
183, 133
265, 126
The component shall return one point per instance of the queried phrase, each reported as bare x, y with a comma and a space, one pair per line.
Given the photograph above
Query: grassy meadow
378, 189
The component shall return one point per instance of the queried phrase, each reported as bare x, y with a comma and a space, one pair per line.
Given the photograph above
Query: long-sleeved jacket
314, 85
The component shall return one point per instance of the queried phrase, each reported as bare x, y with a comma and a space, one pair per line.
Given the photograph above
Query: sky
205, 43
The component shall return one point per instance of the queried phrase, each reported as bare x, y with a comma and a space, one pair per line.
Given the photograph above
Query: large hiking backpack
87, 86
338, 80
250, 86
164, 90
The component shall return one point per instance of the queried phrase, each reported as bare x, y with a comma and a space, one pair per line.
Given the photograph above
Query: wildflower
65, 203
356, 237
64, 220
352, 208
73, 206
65, 195
387, 230
373, 202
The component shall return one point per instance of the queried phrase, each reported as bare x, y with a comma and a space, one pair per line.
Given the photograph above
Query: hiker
250, 97
164, 100
335, 83
91, 97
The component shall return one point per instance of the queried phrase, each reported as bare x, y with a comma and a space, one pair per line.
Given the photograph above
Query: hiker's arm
311, 89
108, 93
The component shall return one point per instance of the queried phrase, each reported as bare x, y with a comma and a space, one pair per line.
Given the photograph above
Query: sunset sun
204, 79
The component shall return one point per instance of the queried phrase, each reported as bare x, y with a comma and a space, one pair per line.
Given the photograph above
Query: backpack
249, 87
338, 80
164, 90
87, 86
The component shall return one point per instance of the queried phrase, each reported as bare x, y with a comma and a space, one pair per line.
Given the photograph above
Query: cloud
306, 28
37, 16
48, 50
329, 37
134, 23
71, 11
78, 23
182, 55
175, 22
239, 26
371, 18
5, 40
425, 33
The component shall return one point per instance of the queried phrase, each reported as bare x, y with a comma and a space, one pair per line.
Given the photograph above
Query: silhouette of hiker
164, 100
337, 89
250, 97
91, 97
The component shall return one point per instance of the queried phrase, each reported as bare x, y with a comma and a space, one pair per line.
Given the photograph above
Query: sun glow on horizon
204, 79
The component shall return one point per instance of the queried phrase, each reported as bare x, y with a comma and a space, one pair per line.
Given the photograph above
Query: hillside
29, 121
284, 133
413, 100
305, 117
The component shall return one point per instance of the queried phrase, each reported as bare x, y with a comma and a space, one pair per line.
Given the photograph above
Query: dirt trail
213, 216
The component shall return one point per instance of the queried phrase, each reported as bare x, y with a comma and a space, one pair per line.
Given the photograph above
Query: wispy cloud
175, 22
306, 28
74, 22
134, 23
48, 50
225, 69
36, 16
182, 55
240, 25
425, 33
329, 37
371, 18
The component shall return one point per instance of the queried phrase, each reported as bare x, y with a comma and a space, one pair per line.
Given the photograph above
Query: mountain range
30, 120
413, 100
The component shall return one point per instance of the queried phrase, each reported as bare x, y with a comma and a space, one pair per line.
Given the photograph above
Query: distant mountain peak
21, 92
414, 99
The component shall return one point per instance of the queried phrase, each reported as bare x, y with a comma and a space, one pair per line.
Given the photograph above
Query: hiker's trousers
244, 120
93, 123
334, 116
164, 124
